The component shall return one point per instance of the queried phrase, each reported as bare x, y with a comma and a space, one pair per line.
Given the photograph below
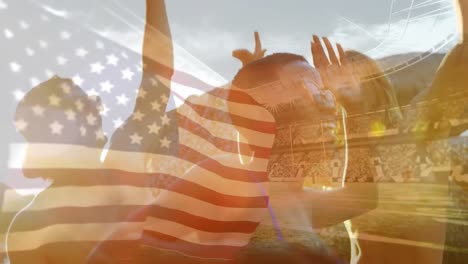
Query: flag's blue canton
37, 45
150, 129
57, 112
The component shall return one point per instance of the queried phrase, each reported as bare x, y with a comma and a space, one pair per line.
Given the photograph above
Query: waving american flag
185, 180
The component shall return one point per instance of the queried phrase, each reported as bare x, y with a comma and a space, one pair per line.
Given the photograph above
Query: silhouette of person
231, 173
62, 128
275, 79
376, 90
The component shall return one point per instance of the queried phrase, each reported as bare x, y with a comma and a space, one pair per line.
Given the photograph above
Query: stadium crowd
409, 160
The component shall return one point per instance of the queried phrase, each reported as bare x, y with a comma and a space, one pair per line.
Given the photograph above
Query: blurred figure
62, 128
193, 181
449, 83
212, 174
376, 90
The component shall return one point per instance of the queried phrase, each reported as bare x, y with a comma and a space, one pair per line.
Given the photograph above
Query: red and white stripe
216, 217
210, 211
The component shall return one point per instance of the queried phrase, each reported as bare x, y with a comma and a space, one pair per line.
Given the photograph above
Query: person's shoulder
458, 54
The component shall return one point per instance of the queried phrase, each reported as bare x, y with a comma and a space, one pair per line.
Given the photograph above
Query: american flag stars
23, 24
93, 94
81, 52
8, 33
43, 44
29, 51
100, 135
99, 45
154, 129
103, 109
122, 99
15, 67
156, 106
106, 86
91, 119
112, 60
136, 139
165, 142
97, 68
21, 125
127, 74
79, 105
38, 110
153, 81
65, 35
142, 93
54, 100
164, 99
138, 116
165, 120
94, 64
56, 128
65, 88
71, 115
83, 131
61, 60
78, 80
18, 95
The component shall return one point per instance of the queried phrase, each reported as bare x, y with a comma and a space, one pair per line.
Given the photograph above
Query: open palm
336, 72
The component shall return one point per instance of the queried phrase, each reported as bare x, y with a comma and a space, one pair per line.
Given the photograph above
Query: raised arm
461, 7
325, 208
154, 89
158, 52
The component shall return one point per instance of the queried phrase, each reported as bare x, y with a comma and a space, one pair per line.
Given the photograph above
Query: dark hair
38, 128
263, 71
377, 91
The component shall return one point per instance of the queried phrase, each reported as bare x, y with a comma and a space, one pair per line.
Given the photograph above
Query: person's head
283, 79
377, 93
61, 125
279, 78
287, 87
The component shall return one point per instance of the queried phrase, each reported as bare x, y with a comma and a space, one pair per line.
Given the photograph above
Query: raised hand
336, 72
461, 10
246, 57
158, 54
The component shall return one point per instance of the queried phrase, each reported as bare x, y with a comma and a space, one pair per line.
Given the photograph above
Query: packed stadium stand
423, 147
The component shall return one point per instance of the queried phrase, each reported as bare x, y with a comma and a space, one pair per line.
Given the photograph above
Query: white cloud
399, 37
183, 61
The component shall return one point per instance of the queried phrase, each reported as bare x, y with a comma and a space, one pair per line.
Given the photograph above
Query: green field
408, 226
413, 223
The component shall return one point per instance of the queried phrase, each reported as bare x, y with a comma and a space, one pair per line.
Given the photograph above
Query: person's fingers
320, 62
331, 52
243, 55
320, 52
317, 56
341, 53
313, 51
345, 63
258, 43
315, 39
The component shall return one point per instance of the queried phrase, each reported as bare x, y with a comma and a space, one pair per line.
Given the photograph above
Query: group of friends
138, 206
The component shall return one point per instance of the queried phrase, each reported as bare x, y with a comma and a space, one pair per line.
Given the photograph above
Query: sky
207, 31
